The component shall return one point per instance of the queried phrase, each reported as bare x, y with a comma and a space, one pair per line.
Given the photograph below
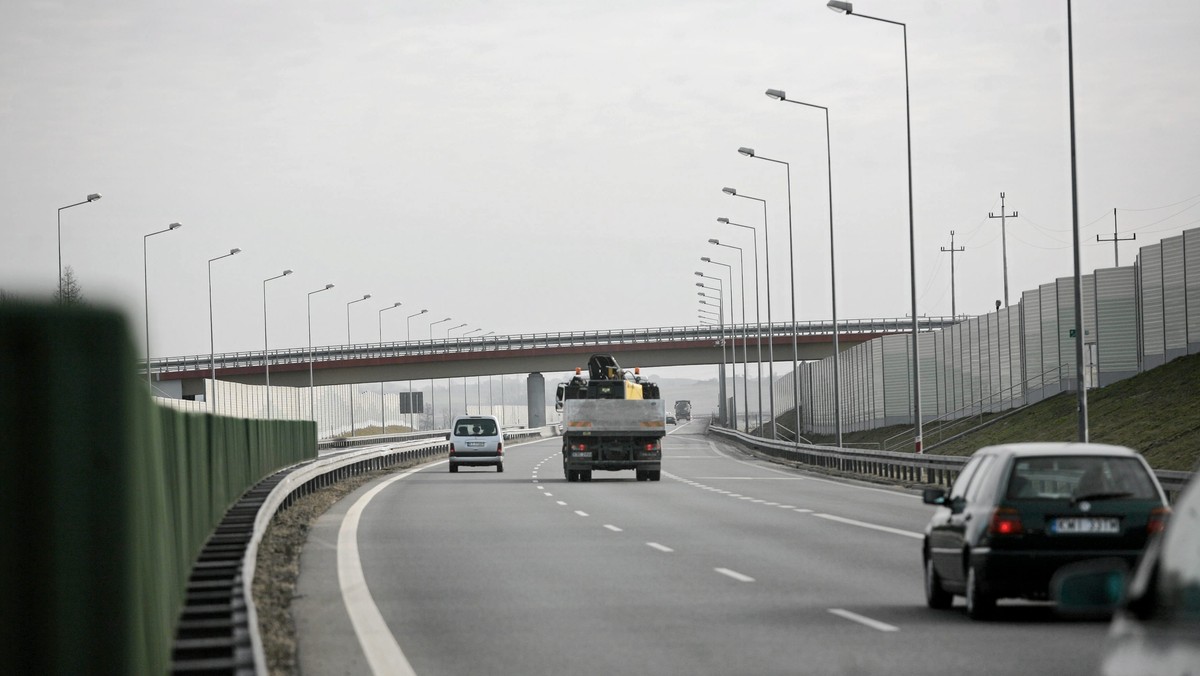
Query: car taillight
499, 448
1005, 521
1158, 520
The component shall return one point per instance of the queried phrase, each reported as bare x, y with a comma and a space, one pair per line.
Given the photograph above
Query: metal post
1081, 398
407, 347
266, 343
311, 390
1116, 238
952, 251
90, 198
1003, 242
146, 286
212, 355
770, 325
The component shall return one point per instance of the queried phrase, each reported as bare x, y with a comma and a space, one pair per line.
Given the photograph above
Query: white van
476, 440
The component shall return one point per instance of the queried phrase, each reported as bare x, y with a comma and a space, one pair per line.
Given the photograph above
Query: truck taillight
578, 447
651, 446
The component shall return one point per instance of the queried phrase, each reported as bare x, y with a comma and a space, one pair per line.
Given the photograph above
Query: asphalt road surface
729, 565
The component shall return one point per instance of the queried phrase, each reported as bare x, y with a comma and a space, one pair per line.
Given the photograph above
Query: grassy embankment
1156, 413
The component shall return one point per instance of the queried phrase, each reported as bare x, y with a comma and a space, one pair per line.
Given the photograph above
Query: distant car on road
476, 440
1156, 629
1019, 512
670, 419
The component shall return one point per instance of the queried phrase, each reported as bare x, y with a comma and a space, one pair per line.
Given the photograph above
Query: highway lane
728, 565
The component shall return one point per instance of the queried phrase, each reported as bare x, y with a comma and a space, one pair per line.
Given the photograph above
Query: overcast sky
538, 165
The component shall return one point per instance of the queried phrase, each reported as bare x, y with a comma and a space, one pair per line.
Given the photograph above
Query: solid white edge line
379, 646
734, 574
872, 526
855, 617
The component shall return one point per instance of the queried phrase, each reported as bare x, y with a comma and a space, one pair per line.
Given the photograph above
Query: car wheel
935, 597
980, 604
500, 467
453, 467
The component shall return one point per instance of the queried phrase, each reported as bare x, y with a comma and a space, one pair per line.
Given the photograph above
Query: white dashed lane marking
661, 548
734, 574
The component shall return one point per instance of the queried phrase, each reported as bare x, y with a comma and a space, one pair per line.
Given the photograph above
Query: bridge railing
527, 341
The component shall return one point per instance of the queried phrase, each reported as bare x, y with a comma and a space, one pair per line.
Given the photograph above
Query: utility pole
952, 251
1003, 241
1116, 238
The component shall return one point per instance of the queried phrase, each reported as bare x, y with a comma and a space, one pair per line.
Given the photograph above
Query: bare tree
70, 292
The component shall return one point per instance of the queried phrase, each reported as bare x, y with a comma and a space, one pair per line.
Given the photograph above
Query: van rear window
475, 428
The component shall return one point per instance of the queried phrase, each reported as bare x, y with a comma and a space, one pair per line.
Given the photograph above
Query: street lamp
353, 386
780, 95
1081, 416
770, 326
382, 412
732, 332
757, 322
408, 339
212, 355
432, 399
90, 198
266, 343
311, 391
146, 284
848, 8
720, 305
749, 152
450, 381
466, 407
745, 340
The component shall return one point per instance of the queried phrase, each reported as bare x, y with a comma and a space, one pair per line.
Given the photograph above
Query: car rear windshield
1080, 478
475, 428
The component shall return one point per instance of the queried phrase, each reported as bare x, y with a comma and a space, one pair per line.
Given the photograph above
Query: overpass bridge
523, 353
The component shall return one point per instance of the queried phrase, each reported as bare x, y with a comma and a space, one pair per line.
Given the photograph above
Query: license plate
585, 454
475, 444
1086, 525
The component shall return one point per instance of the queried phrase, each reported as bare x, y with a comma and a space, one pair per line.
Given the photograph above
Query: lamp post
266, 343
491, 403
749, 152
408, 339
450, 381
732, 332
848, 8
770, 326
745, 339
780, 95
757, 322
146, 285
382, 412
720, 305
353, 386
1081, 403
432, 399
90, 198
212, 355
466, 405
311, 391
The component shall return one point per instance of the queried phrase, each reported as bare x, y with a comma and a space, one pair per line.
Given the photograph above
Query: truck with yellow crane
611, 420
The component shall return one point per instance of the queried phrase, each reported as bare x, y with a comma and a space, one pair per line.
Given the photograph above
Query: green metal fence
106, 497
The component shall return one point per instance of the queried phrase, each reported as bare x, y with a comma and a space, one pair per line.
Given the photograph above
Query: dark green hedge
107, 498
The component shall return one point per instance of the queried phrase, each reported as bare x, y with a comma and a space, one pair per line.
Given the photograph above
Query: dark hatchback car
1019, 512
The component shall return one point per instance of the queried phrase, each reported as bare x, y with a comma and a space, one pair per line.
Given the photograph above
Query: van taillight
452, 448
1005, 521
1158, 520
499, 448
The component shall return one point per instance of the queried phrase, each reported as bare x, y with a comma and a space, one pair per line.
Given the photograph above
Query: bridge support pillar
535, 388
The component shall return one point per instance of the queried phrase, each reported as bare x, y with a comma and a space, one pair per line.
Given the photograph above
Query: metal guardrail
456, 345
195, 654
936, 470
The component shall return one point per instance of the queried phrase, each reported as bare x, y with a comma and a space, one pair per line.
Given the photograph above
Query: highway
729, 565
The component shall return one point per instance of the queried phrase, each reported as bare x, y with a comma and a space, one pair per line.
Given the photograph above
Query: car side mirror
1089, 588
934, 496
